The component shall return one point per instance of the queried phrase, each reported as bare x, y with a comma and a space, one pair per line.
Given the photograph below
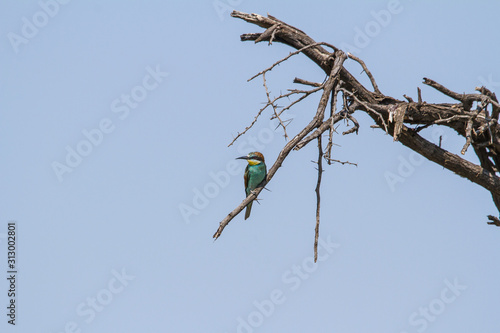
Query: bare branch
333, 107
269, 102
452, 118
341, 162
368, 73
355, 128
466, 99
494, 220
305, 93
285, 59
309, 83
444, 90
294, 91
249, 126
408, 98
318, 197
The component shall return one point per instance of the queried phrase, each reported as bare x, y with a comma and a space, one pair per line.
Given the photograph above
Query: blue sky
116, 116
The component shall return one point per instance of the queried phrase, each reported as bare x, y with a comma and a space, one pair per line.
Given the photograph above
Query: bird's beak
242, 158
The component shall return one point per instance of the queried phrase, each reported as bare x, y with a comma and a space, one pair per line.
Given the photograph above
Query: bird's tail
249, 208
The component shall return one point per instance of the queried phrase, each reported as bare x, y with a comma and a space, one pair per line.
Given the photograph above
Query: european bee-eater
255, 173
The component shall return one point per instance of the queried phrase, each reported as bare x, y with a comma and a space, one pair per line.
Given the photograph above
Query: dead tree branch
318, 197
473, 116
368, 73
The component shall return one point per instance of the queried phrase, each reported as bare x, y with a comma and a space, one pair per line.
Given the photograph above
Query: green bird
255, 173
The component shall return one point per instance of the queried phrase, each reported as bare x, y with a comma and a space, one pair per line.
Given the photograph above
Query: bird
255, 173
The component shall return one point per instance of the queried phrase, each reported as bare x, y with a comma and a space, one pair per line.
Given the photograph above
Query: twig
408, 98
494, 220
444, 90
292, 92
309, 83
286, 58
333, 106
368, 73
248, 127
318, 197
466, 99
306, 94
355, 128
341, 162
452, 118
273, 106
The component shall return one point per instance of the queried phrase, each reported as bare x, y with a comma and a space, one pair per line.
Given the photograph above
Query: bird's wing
246, 176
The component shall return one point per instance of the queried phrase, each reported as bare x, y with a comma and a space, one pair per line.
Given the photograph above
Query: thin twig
444, 90
273, 106
355, 128
333, 106
452, 118
286, 58
370, 76
494, 220
294, 91
318, 197
248, 127
341, 162
305, 93
408, 98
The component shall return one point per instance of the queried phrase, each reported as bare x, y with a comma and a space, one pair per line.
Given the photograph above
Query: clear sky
115, 120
